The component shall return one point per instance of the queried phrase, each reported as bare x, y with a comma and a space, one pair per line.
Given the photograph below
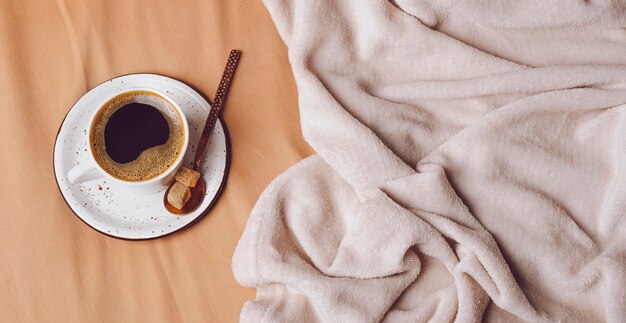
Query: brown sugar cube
187, 176
179, 195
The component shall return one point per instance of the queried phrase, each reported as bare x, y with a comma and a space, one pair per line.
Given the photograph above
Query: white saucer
101, 204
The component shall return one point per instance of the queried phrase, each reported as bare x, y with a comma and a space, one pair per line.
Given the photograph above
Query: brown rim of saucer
202, 215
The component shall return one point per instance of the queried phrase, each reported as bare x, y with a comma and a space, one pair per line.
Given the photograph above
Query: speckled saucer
106, 207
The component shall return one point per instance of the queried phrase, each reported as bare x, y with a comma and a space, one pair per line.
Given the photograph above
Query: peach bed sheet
54, 268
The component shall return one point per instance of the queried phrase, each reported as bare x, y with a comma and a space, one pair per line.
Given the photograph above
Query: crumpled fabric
470, 166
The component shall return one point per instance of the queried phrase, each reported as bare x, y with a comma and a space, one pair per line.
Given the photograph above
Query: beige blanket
471, 164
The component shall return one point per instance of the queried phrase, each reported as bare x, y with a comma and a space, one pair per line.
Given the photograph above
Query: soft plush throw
471, 165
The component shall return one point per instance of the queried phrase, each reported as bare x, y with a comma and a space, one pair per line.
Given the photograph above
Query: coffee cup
136, 138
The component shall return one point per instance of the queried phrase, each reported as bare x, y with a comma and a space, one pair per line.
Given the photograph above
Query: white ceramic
91, 170
104, 204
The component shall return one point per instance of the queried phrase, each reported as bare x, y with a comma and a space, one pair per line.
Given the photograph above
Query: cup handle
83, 173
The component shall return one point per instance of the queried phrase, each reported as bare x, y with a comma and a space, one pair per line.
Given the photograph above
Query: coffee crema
137, 136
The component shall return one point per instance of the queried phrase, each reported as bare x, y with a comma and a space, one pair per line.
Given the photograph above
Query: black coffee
137, 136
132, 129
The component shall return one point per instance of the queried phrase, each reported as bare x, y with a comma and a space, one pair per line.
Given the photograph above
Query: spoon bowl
197, 196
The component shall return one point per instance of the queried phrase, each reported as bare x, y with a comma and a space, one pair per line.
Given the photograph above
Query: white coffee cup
91, 170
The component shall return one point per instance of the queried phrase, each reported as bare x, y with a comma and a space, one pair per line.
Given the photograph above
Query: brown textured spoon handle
216, 107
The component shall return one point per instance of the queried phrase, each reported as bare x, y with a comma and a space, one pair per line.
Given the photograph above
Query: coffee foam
152, 161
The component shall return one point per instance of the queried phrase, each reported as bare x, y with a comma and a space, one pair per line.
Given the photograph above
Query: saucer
104, 205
